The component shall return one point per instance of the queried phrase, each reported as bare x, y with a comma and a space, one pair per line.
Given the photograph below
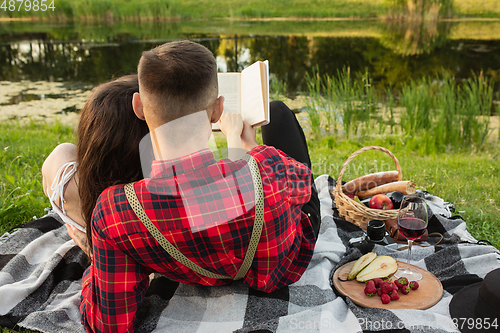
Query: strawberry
394, 287
370, 289
394, 295
401, 282
379, 291
377, 281
385, 298
405, 290
413, 285
386, 287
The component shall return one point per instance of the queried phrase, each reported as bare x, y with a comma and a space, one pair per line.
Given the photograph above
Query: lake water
392, 53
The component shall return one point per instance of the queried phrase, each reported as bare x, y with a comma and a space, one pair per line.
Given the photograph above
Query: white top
63, 176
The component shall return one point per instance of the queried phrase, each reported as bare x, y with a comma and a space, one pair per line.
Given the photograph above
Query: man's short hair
177, 79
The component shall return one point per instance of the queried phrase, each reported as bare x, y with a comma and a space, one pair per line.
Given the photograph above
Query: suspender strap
259, 216
177, 255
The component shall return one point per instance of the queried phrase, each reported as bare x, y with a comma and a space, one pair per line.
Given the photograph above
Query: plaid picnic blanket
41, 269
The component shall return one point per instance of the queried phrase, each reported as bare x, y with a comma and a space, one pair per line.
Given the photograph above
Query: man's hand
248, 137
239, 134
231, 124
80, 238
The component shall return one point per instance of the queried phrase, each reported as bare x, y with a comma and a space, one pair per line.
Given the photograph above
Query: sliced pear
381, 267
360, 264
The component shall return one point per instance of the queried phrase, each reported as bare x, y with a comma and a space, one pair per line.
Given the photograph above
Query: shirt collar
177, 166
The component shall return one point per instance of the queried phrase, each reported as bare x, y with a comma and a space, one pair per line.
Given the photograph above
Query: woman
106, 154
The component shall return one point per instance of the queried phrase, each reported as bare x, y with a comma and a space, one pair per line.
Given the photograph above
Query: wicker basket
355, 212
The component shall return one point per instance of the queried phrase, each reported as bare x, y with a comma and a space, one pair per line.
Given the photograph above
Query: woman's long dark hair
109, 133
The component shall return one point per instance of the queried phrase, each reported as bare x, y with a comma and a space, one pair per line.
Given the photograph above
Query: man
194, 219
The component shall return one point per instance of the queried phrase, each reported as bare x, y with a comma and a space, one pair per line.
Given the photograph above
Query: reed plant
277, 88
90, 10
175, 9
343, 96
446, 113
341, 105
315, 102
430, 115
478, 97
416, 103
387, 116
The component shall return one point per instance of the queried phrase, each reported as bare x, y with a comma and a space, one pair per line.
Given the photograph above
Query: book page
264, 68
230, 88
254, 96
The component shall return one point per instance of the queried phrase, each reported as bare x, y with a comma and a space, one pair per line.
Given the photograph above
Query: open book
247, 93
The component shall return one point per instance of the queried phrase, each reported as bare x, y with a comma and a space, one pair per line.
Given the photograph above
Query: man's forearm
234, 147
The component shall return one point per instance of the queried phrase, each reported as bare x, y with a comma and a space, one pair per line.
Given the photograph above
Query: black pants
284, 132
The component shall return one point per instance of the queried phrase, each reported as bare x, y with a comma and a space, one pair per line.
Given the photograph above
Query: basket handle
362, 150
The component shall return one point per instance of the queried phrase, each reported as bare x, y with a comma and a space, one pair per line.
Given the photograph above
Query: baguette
404, 186
369, 181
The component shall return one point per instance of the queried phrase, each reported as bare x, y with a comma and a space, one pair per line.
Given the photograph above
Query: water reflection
395, 54
415, 37
78, 61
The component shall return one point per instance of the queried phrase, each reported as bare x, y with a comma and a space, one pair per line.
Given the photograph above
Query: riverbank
160, 10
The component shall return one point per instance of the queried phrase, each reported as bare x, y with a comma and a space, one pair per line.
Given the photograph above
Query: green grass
23, 150
474, 8
189, 9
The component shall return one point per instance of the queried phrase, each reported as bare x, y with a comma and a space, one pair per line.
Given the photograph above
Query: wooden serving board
429, 292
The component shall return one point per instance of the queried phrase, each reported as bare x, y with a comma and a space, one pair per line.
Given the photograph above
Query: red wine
412, 228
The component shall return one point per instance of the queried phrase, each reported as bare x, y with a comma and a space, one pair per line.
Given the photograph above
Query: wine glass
412, 222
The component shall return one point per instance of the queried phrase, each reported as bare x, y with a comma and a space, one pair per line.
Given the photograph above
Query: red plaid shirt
206, 210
